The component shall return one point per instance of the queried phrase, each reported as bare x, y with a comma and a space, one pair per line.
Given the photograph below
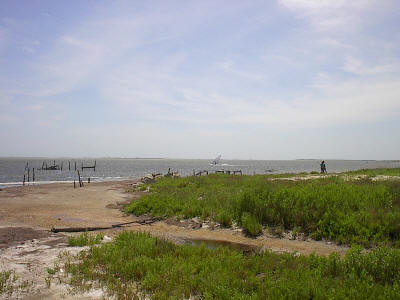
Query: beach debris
142, 220
150, 178
107, 239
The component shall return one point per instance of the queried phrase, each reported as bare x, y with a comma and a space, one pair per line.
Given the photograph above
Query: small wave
228, 165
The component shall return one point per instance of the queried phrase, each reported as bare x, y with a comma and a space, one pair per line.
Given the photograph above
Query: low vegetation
10, 283
136, 264
85, 239
376, 172
348, 211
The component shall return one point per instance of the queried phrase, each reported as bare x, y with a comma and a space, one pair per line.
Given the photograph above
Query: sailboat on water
216, 161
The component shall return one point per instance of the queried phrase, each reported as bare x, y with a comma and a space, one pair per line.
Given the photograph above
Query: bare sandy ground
28, 213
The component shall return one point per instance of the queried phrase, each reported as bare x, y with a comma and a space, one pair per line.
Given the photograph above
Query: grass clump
136, 264
251, 224
85, 239
376, 172
358, 211
10, 283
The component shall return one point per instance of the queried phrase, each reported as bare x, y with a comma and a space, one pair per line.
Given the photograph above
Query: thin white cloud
358, 67
330, 14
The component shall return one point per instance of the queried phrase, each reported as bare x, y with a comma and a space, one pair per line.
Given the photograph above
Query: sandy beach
28, 213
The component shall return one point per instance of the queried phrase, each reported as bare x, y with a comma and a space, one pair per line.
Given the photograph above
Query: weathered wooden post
79, 178
69, 166
94, 169
33, 175
23, 182
75, 166
88, 180
74, 184
28, 174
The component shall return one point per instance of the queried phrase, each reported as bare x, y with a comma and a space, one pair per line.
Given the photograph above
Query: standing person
323, 167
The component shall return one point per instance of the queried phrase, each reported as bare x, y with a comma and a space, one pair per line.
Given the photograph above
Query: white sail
216, 160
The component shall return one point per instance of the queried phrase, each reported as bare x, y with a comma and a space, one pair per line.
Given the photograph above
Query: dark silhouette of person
323, 167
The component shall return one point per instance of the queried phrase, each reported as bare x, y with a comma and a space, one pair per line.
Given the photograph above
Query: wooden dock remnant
80, 180
228, 172
51, 167
89, 167
201, 173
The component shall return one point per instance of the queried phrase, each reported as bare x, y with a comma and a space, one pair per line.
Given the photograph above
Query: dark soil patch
13, 235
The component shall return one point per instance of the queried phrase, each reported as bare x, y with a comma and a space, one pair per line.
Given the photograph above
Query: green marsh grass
358, 211
136, 264
85, 239
376, 172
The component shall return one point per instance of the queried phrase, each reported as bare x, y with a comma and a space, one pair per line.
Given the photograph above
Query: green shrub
225, 219
85, 239
251, 225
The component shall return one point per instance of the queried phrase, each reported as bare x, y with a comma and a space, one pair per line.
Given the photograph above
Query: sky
278, 79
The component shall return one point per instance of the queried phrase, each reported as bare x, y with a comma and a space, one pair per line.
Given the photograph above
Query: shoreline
7, 185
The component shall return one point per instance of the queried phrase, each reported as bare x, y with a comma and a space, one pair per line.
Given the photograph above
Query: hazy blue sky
277, 79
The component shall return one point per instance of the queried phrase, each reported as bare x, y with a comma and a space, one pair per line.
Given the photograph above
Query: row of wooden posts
27, 178
60, 167
27, 173
80, 180
206, 172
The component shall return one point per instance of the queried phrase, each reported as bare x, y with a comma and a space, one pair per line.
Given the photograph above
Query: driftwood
83, 229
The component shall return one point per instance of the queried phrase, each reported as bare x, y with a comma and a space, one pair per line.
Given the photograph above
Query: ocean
12, 170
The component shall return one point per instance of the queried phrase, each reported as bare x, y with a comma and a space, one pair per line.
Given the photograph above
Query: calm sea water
12, 170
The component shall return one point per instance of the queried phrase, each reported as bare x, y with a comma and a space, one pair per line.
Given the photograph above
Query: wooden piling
33, 175
69, 166
28, 175
23, 182
79, 178
74, 184
88, 180
75, 166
